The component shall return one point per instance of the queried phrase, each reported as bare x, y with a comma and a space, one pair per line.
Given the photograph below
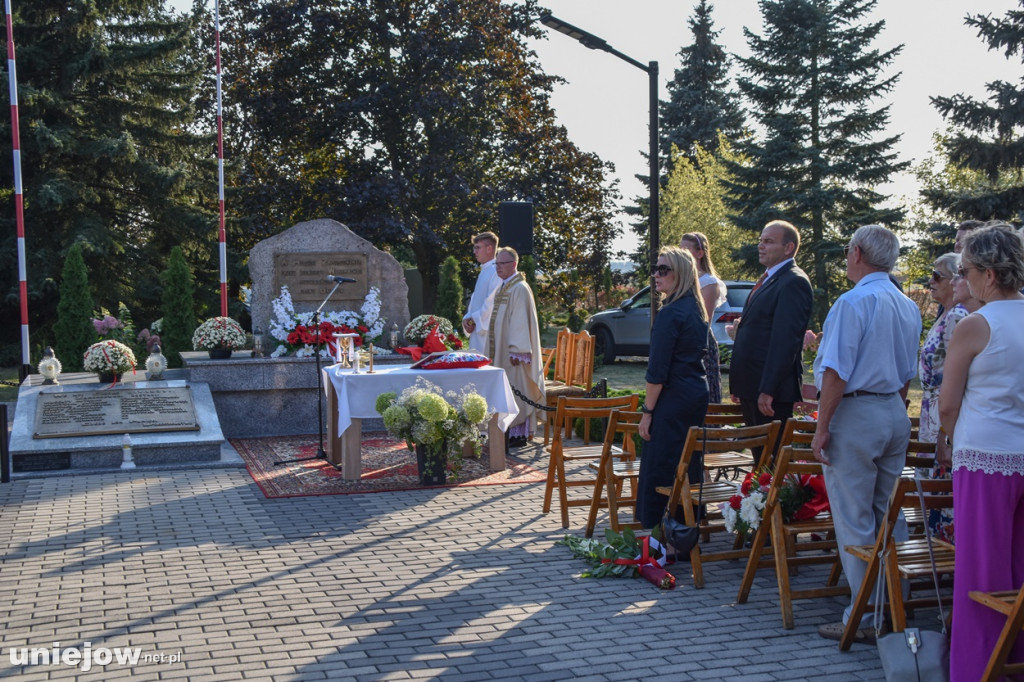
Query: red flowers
764, 480
736, 501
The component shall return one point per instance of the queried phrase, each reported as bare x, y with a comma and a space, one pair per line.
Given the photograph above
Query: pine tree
73, 330
810, 81
179, 308
449, 292
701, 103
110, 157
987, 139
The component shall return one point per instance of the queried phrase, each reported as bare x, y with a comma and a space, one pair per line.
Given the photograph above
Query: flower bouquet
434, 424
109, 357
622, 555
801, 497
296, 333
218, 333
417, 331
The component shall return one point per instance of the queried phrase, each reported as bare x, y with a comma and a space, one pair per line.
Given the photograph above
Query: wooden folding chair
787, 551
907, 560
1010, 603
570, 409
617, 466
574, 375
685, 493
725, 463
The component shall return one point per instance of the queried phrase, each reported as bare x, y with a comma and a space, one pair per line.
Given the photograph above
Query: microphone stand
320, 453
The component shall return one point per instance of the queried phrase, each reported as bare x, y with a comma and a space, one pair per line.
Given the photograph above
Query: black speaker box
516, 221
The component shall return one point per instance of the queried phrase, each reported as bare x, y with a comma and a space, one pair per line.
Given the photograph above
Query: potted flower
800, 497
434, 425
110, 359
219, 336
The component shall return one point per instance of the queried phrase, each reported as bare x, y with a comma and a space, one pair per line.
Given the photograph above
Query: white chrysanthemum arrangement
218, 332
108, 357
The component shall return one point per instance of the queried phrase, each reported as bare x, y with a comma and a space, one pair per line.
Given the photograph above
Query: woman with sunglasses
713, 293
982, 410
677, 389
930, 369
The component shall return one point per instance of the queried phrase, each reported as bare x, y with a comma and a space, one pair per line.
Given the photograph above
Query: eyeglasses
962, 269
503, 262
660, 271
848, 248
937, 276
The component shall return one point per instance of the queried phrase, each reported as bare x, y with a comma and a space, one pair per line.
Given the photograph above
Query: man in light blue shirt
867, 357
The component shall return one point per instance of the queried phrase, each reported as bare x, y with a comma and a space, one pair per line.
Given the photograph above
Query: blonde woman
677, 389
713, 293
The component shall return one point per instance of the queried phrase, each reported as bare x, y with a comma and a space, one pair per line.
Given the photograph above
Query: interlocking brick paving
456, 584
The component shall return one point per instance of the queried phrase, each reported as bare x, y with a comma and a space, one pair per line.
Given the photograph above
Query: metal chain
600, 390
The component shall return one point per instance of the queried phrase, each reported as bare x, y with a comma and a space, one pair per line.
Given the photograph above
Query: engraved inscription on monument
306, 275
94, 413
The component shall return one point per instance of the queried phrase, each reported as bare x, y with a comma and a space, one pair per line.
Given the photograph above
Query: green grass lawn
9, 385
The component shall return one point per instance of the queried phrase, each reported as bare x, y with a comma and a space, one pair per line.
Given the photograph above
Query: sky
604, 102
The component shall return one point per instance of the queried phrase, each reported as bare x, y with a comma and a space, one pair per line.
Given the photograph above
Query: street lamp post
595, 43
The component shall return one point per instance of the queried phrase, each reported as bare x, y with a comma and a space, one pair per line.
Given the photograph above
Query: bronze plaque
306, 276
112, 411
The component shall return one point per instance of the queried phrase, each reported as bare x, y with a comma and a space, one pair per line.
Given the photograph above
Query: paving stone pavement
197, 567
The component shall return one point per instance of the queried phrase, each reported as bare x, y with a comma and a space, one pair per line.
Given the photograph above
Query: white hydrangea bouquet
296, 333
218, 332
424, 415
109, 357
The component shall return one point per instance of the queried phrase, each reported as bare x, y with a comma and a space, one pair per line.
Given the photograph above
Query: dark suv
626, 330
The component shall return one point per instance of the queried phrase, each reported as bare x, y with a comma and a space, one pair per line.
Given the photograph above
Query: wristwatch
645, 409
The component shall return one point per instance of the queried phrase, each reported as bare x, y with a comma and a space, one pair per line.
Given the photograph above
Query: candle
370, 371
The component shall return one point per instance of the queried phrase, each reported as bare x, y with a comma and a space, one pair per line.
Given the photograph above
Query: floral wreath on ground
800, 498
296, 333
218, 332
108, 357
423, 414
417, 331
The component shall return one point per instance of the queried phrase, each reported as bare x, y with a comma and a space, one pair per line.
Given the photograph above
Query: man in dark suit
766, 372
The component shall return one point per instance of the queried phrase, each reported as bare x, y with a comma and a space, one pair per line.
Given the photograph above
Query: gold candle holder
370, 371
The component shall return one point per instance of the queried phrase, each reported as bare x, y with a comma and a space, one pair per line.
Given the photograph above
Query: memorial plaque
306, 276
112, 411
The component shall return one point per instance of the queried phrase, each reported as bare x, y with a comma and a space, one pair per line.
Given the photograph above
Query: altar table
352, 397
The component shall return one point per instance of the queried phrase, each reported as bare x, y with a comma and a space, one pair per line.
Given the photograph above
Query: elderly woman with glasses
981, 407
677, 389
930, 366
713, 292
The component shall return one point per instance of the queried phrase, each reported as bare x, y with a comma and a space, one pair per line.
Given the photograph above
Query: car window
642, 300
737, 295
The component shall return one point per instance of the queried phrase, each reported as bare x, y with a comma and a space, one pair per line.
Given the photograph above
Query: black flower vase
432, 470
219, 353
109, 377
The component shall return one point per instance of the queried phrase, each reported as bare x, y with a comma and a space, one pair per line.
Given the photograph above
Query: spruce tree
810, 80
73, 330
111, 156
701, 103
986, 141
449, 292
179, 308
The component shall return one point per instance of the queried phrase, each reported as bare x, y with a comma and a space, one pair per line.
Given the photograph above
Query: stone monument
304, 255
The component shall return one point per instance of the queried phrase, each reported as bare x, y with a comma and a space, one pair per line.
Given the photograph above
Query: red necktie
759, 282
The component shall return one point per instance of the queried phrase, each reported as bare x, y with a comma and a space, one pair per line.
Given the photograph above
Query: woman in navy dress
677, 388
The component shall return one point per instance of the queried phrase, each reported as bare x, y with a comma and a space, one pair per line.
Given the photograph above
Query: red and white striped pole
19, 202
221, 235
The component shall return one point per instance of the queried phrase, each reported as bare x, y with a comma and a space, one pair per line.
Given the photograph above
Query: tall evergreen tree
701, 103
73, 332
449, 292
179, 320
110, 158
987, 139
409, 121
810, 81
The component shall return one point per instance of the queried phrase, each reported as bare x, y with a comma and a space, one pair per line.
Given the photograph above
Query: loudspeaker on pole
516, 222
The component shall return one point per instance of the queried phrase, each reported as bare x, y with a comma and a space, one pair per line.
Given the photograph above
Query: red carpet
387, 465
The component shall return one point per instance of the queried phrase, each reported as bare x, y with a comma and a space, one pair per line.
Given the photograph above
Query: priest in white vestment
514, 342
477, 319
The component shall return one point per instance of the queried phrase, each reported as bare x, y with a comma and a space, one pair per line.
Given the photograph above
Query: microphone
339, 280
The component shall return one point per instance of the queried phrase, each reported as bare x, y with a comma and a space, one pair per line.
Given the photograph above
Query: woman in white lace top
981, 407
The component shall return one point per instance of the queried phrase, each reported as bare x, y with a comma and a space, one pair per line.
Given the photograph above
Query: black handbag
681, 537
913, 655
